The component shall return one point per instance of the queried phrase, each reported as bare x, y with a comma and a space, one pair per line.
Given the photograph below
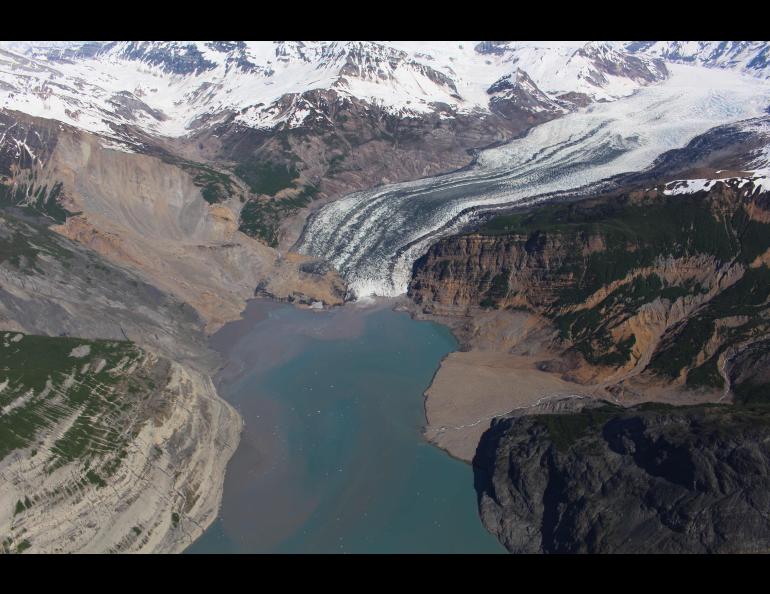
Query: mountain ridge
210, 78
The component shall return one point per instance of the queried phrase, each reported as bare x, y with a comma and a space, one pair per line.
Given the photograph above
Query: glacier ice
373, 237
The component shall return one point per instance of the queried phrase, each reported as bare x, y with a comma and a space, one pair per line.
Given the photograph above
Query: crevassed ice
374, 237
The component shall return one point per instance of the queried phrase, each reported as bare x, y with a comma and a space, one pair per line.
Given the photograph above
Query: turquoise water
332, 458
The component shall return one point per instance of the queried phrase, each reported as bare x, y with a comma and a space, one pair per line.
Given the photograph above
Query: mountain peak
174, 88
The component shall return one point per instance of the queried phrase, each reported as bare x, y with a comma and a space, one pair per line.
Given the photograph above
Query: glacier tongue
373, 237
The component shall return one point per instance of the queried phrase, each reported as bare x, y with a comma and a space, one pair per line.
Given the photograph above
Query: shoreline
222, 341
162, 495
256, 311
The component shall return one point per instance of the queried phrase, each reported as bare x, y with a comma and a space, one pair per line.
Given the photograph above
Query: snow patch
100, 92
759, 178
81, 351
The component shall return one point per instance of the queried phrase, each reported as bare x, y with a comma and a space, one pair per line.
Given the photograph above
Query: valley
332, 458
374, 237
589, 222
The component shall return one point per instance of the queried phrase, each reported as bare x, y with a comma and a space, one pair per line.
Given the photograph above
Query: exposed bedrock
581, 324
669, 287
632, 297
343, 145
157, 214
650, 479
105, 447
351, 144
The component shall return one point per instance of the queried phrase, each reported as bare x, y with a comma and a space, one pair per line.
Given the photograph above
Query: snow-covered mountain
278, 125
596, 70
174, 88
750, 57
518, 91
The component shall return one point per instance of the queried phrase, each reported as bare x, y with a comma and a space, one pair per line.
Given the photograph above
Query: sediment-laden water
332, 458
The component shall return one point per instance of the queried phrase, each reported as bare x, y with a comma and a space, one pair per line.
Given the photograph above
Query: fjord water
331, 457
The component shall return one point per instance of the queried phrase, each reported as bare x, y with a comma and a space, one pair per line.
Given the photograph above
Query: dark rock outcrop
652, 479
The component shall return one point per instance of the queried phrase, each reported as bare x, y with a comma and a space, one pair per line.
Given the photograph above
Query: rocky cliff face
670, 287
302, 121
576, 310
105, 447
137, 251
172, 220
650, 479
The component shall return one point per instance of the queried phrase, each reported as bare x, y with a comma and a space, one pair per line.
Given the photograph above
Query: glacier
373, 237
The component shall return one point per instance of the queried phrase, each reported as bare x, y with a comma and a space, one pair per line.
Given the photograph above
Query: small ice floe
317, 305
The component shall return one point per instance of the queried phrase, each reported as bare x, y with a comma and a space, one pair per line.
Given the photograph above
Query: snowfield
403, 77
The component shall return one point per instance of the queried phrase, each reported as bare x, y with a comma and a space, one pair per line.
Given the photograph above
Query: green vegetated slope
685, 280
216, 186
343, 145
263, 214
265, 177
71, 408
278, 192
94, 388
637, 237
76, 405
